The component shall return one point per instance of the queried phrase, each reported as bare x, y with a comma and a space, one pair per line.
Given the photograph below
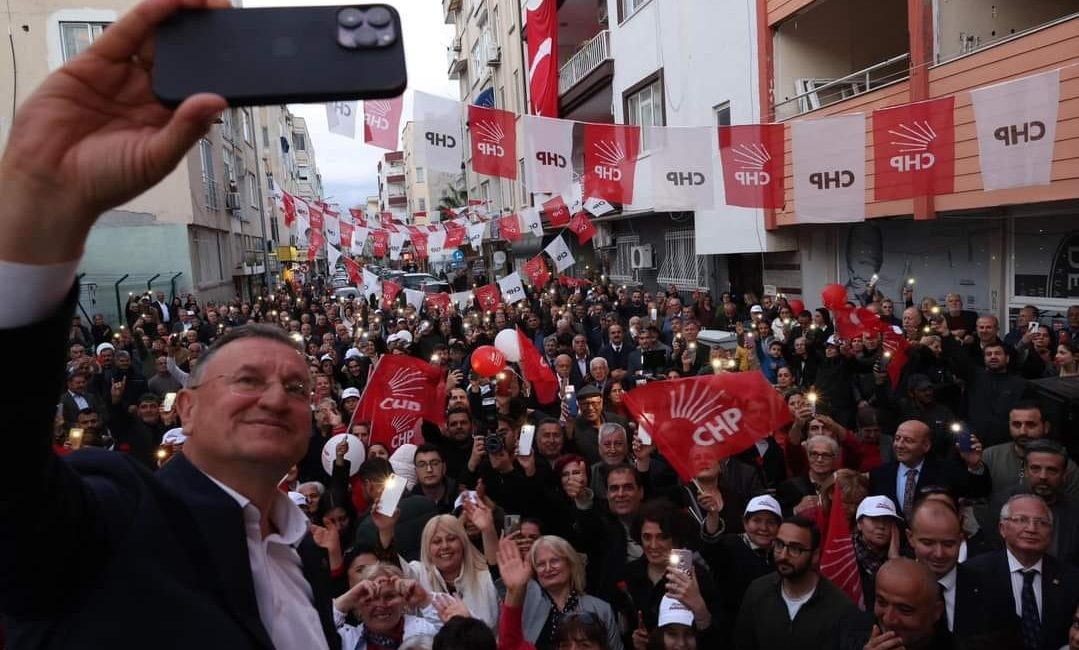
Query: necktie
1032, 623
908, 493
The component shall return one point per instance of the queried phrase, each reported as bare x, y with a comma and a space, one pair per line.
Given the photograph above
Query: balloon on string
509, 345
487, 361
834, 296
355, 454
797, 306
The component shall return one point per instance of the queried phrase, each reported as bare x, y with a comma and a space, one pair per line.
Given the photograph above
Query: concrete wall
988, 22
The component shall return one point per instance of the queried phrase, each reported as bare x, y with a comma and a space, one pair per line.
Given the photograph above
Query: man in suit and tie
617, 350
901, 479
579, 371
77, 398
206, 553
1021, 589
936, 535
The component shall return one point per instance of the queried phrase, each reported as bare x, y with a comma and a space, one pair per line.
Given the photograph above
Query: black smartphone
280, 55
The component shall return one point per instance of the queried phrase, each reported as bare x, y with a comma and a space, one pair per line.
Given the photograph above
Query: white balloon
507, 343
355, 454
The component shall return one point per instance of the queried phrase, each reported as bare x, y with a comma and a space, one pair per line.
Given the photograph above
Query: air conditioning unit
642, 257
494, 54
232, 200
457, 44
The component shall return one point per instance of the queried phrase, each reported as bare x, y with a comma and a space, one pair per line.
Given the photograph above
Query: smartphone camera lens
350, 17
379, 17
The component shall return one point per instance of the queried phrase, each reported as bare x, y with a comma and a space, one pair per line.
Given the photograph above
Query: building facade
424, 190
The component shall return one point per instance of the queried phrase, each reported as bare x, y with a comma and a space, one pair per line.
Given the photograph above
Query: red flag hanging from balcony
494, 141
610, 161
753, 158
288, 207
381, 118
914, 150
542, 19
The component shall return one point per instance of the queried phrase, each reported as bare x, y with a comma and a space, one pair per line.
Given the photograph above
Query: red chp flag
359, 216
346, 236
510, 227
381, 117
610, 161
288, 207
538, 273
699, 420
542, 30
914, 150
488, 297
439, 302
494, 141
536, 371
753, 158
557, 211
390, 289
401, 392
355, 272
380, 242
315, 240
419, 244
838, 562
455, 236
582, 225
895, 354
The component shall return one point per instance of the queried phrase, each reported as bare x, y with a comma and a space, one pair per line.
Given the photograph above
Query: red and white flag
683, 176
436, 242
557, 211
440, 302
699, 420
548, 153
914, 150
541, 17
438, 131
511, 288
331, 225
390, 289
1017, 127
537, 272
381, 119
358, 217
359, 239
401, 392
488, 297
380, 242
753, 157
509, 227
315, 238
583, 227
535, 370
838, 562
419, 245
829, 169
288, 208
494, 141
455, 235
355, 271
610, 161
333, 254
347, 229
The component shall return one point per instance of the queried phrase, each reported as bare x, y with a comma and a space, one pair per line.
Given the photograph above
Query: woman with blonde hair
556, 595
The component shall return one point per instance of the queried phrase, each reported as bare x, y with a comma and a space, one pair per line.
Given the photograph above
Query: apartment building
425, 190
999, 249
391, 185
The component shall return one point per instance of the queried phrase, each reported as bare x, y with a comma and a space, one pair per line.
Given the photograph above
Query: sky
349, 167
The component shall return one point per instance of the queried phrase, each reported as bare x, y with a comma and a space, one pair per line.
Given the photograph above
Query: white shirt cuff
32, 291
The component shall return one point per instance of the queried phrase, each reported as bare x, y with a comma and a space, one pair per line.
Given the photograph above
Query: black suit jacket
109, 555
575, 377
616, 360
946, 473
71, 409
990, 604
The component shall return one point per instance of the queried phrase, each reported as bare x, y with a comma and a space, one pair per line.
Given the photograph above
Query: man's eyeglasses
1024, 521
793, 550
429, 464
248, 385
821, 455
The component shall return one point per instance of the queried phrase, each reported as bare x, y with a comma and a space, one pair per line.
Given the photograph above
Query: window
644, 106
518, 104
723, 114
275, 229
265, 137
226, 161
252, 190
303, 172
477, 56
622, 264
681, 266
248, 126
521, 181
1044, 265
209, 184
421, 176
76, 37
209, 267
422, 204
226, 124
299, 140
485, 196
627, 8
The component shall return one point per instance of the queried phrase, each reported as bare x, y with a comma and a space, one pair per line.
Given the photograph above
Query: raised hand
449, 606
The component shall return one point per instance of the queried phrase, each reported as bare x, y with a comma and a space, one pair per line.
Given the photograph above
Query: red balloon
797, 306
487, 361
834, 295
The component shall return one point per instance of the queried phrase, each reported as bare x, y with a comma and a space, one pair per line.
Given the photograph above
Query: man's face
674, 306
580, 346
936, 537
904, 606
911, 443
363, 432
250, 408
459, 426
149, 412
911, 318
99, 319
161, 364
550, 346
429, 469
1030, 532
1025, 317
1025, 425
987, 329
623, 493
562, 365
887, 308
77, 384
615, 334
105, 358
599, 371
76, 352
690, 331
636, 297
613, 448
549, 440
800, 346
1045, 474
797, 557
123, 362
923, 395
955, 304
995, 358
458, 397
591, 408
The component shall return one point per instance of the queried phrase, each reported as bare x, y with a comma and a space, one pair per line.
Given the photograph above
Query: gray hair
252, 331
1006, 509
319, 487
598, 361
828, 440
611, 429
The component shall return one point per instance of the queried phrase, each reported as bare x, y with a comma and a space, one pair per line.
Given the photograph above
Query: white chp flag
359, 238
597, 207
559, 252
332, 255
511, 288
475, 235
371, 283
829, 169
532, 221
303, 222
331, 225
548, 153
438, 132
414, 297
397, 242
461, 299
341, 117
1017, 126
436, 243
683, 176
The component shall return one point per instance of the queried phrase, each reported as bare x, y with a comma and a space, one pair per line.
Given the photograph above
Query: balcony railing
456, 61
818, 93
584, 61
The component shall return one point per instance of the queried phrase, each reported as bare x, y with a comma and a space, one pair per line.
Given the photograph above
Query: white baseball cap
350, 392
174, 437
672, 611
880, 506
764, 503
353, 353
325, 357
756, 309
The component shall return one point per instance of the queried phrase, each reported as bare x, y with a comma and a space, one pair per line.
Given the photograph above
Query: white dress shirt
79, 400
37, 290
901, 481
947, 584
285, 598
1016, 568
164, 311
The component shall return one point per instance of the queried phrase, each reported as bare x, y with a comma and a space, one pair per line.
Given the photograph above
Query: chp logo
436, 139
551, 159
709, 415
491, 136
376, 114
404, 430
752, 159
1025, 133
830, 180
914, 141
610, 155
404, 386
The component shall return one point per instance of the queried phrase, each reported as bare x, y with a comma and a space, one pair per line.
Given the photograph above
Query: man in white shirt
936, 535
208, 538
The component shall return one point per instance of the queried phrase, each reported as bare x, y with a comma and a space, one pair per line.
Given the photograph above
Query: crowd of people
174, 479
